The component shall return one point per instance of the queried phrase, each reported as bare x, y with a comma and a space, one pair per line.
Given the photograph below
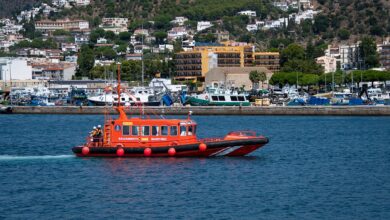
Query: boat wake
42, 157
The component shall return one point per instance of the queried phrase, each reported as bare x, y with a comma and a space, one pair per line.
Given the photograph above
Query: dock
214, 110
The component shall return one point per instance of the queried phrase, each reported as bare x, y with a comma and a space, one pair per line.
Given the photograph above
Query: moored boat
144, 136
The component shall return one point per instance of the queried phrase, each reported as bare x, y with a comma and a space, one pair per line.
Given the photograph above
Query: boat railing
94, 141
243, 133
211, 139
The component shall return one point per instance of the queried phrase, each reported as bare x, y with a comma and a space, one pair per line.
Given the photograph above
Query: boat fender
147, 152
85, 150
171, 152
202, 147
120, 152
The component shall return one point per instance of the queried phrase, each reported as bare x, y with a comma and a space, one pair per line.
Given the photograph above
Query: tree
293, 51
160, 36
321, 23
343, 34
368, 52
124, 36
85, 61
304, 66
106, 52
255, 77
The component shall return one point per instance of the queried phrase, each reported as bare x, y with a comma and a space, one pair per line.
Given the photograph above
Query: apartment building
115, 25
193, 65
68, 25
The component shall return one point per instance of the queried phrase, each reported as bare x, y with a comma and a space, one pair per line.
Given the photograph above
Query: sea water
312, 168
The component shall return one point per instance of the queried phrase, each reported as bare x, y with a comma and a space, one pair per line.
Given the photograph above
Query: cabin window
190, 130
214, 98
241, 98
194, 129
234, 98
123, 99
164, 130
145, 130
126, 130
183, 130
135, 131
155, 130
138, 99
115, 99
221, 98
173, 130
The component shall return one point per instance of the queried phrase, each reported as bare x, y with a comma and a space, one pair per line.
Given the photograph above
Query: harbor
213, 110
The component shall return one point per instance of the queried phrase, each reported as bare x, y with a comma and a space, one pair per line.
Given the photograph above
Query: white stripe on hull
225, 151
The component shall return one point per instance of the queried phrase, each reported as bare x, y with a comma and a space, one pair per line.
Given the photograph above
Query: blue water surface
313, 168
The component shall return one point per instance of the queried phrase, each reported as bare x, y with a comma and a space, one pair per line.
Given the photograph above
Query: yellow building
193, 65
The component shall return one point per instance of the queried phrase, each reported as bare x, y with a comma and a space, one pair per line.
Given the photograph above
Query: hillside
341, 20
8, 7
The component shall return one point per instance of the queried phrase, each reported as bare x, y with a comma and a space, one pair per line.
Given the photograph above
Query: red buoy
85, 150
120, 152
147, 152
202, 147
171, 152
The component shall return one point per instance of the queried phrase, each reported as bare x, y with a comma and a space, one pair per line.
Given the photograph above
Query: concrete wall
212, 110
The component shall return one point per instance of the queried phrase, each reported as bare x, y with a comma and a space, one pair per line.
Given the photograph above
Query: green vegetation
368, 52
255, 77
294, 58
36, 43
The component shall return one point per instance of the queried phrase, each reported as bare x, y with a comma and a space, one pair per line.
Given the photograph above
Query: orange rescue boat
159, 137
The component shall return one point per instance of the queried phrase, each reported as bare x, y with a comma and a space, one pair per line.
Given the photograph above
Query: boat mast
119, 84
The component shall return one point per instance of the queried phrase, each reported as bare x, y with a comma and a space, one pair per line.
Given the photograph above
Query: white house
252, 27
14, 68
329, 63
179, 21
115, 25
248, 13
203, 25
177, 33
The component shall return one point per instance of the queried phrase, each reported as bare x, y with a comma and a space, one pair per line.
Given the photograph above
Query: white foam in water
43, 157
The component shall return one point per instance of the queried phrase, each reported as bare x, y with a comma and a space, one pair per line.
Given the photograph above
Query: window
214, 98
164, 130
155, 130
135, 131
190, 130
126, 130
145, 130
123, 99
241, 98
233, 98
183, 130
194, 130
221, 98
173, 130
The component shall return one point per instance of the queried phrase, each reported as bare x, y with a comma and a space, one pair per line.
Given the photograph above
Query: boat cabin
149, 132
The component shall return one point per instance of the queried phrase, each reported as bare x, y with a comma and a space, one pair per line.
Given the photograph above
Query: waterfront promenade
214, 110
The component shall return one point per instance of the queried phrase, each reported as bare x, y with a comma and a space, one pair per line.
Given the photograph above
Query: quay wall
214, 110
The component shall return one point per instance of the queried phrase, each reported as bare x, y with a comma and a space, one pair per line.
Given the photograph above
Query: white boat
215, 95
137, 95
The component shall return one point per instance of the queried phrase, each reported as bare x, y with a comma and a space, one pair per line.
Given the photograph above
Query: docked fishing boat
216, 96
138, 95
144, 136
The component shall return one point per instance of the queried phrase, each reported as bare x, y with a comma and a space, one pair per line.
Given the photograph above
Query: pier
215, 110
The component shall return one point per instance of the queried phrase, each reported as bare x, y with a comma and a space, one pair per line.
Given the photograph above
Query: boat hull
201, 102
216, 148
